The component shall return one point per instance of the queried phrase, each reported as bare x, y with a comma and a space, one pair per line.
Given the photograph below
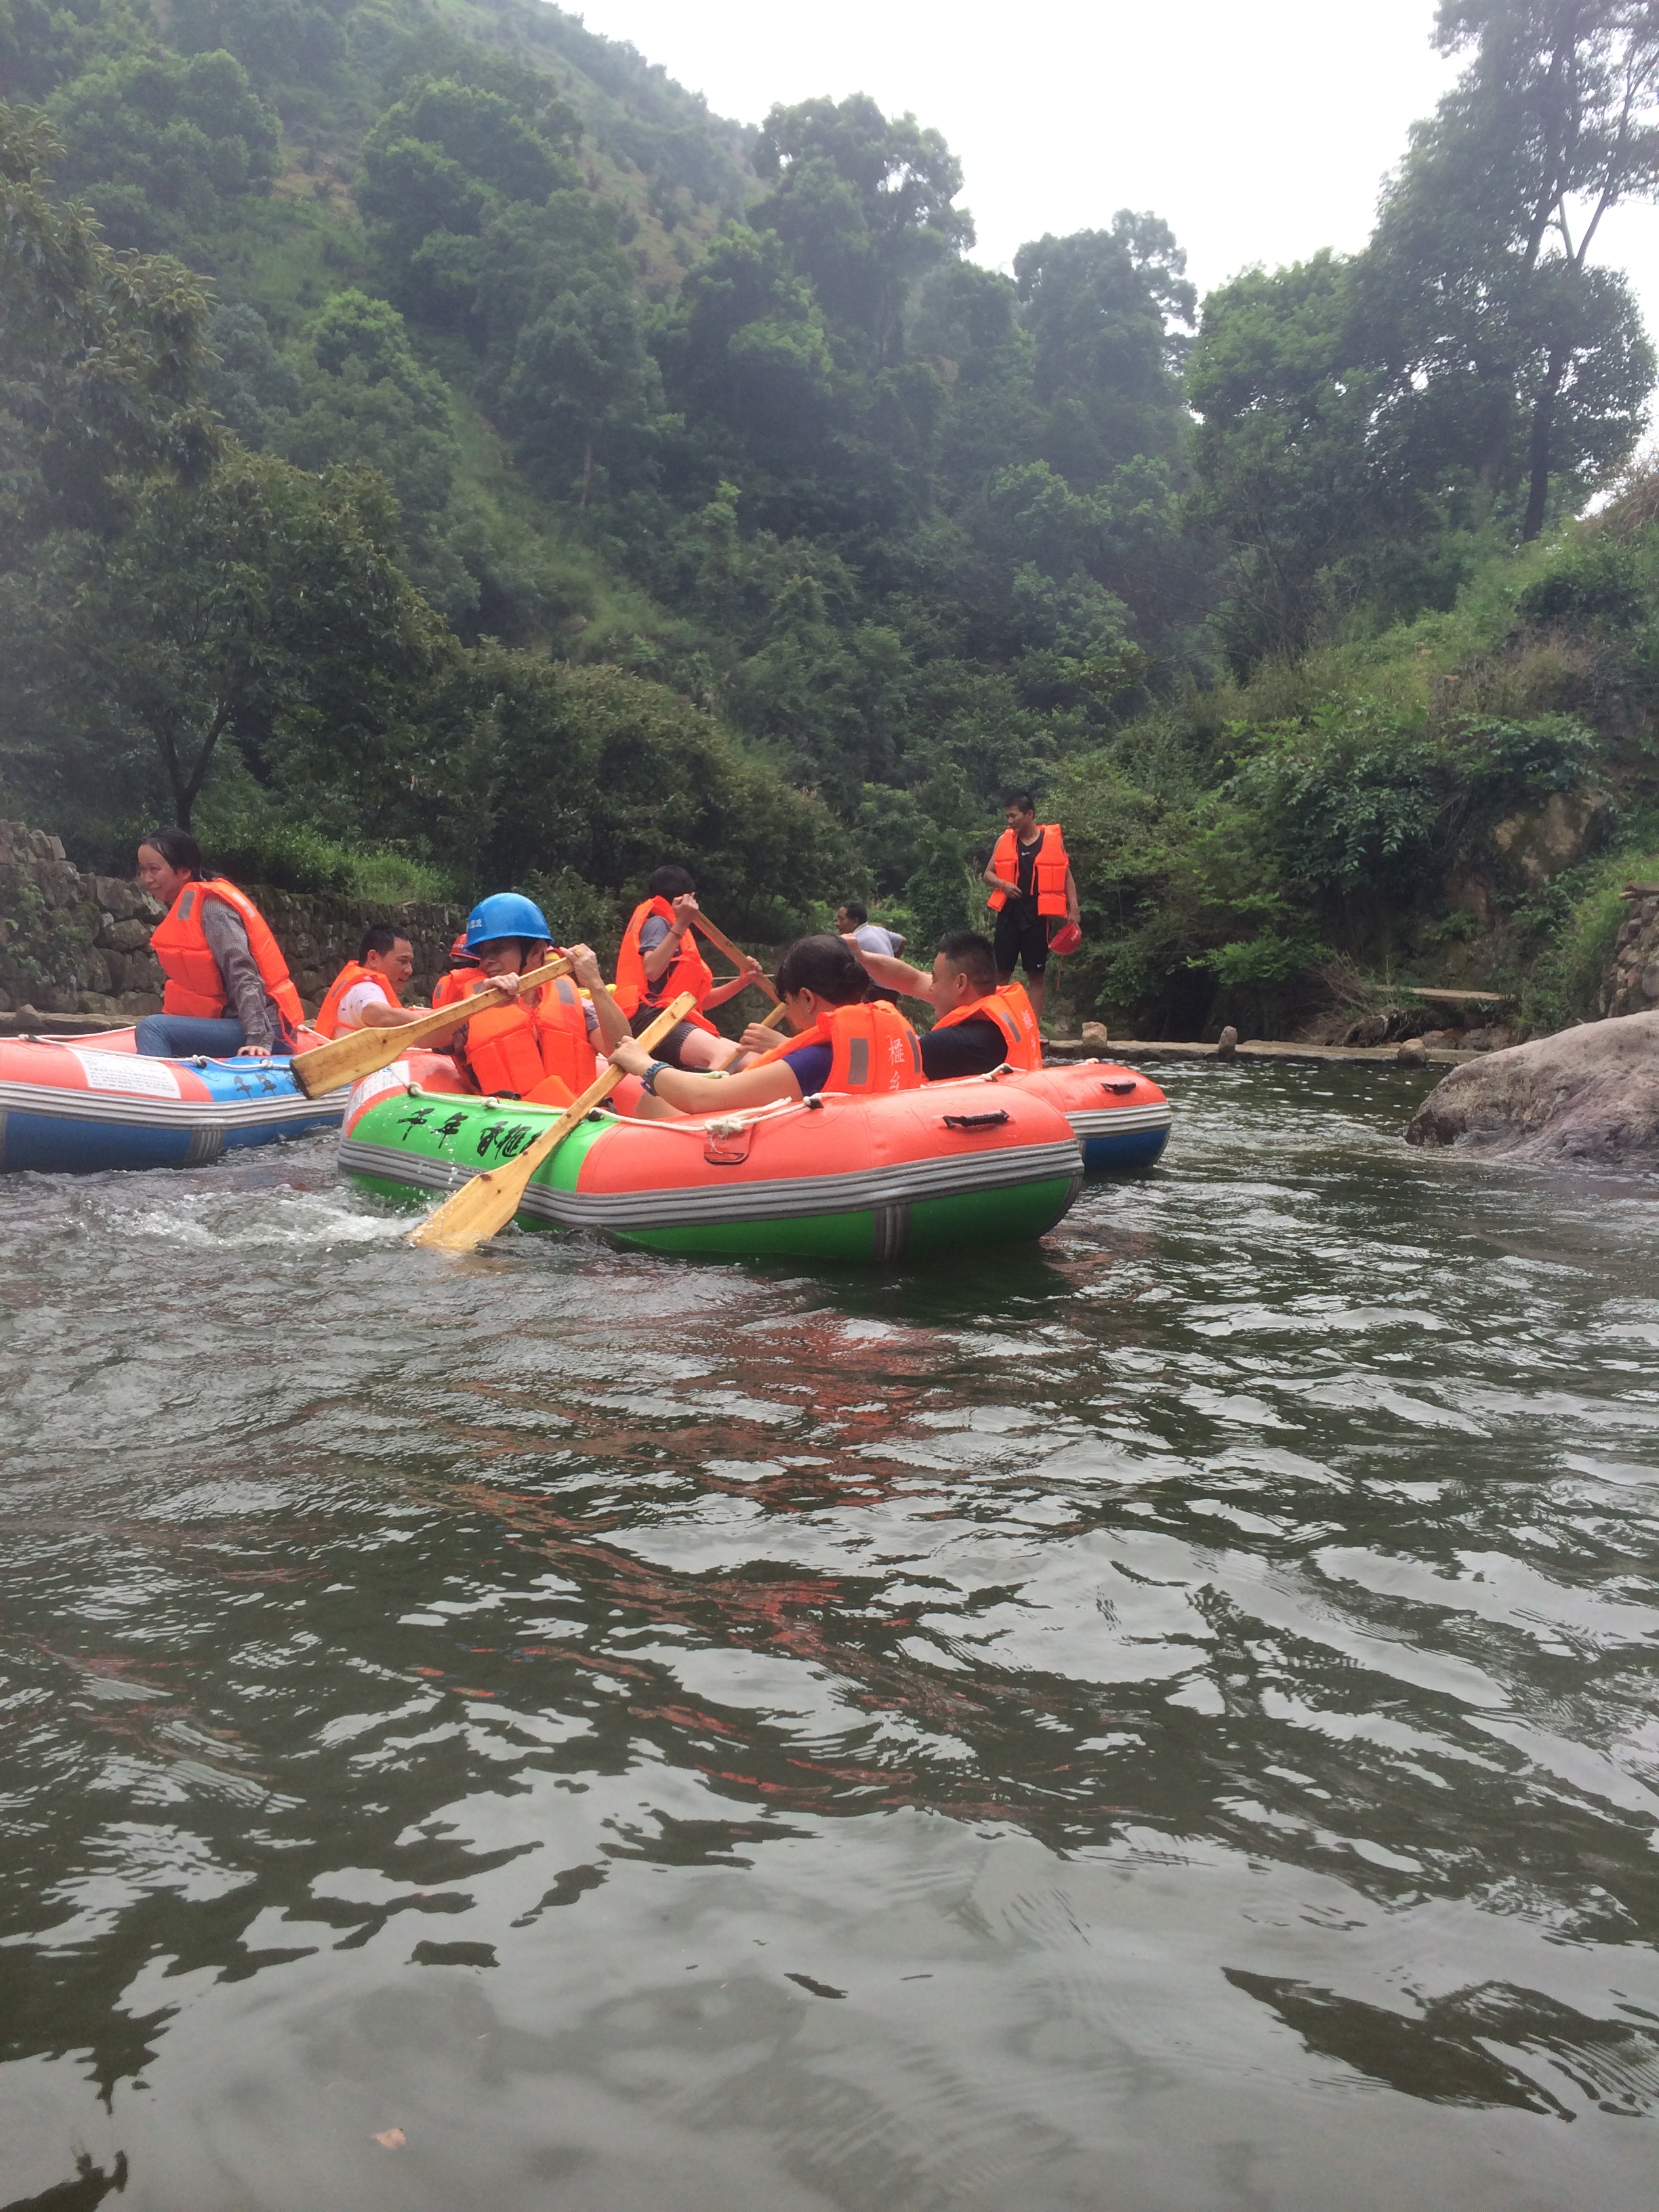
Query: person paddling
367, 992
844, 1043
539, 1046
979, 1023
659, 958
228, 989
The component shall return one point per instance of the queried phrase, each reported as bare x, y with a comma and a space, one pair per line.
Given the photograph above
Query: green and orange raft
950, 1167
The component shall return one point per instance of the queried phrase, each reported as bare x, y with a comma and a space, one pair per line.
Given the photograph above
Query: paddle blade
485, 1205
359, 1053
478, 1211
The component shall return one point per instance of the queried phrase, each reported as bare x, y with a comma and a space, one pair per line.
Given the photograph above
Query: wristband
649, 1078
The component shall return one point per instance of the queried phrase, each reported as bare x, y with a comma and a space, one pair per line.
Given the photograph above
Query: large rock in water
1589, 1094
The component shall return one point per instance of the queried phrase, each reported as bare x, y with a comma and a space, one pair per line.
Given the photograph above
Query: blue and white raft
71, 1105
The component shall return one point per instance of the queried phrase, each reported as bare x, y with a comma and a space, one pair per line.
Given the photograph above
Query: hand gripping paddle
489, 1201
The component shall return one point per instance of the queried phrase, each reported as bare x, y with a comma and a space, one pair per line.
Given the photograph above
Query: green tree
366, 399
865, 207
1281, 452
162, 146
747, 346
1100, 306
1512, 358
98, 357
263, 603
581, 383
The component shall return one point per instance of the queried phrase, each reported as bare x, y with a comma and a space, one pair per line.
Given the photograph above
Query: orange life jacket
1048, 876
873, 1048
1014, 1014
687, 971
327, 1023
194, 985
457, 984
525, 1048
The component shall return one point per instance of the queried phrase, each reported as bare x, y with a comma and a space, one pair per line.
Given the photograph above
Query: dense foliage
433, 436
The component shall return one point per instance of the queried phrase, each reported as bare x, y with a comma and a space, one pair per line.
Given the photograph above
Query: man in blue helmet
541, 1044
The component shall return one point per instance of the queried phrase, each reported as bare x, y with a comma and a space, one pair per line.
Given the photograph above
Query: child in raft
844, 1042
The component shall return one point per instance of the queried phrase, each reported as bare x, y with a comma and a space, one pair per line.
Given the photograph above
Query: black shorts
1018, 939
666, 1048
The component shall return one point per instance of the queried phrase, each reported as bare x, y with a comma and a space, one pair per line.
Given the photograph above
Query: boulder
1589, 1094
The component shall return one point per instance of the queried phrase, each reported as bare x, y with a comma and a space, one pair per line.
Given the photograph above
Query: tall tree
1513, 359
865, 207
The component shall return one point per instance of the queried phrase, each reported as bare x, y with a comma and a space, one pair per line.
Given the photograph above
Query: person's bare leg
702, 1051
1033, 992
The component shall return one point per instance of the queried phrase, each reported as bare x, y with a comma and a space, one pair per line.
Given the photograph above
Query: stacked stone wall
1632, 984
75, 943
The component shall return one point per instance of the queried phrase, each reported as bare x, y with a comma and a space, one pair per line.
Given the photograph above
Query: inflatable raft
1119, 1116
69, 1105
948, 1167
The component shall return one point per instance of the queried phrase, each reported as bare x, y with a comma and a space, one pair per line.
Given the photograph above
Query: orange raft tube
948, 1167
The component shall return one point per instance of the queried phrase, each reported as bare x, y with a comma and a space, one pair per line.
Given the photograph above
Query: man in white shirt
368, 991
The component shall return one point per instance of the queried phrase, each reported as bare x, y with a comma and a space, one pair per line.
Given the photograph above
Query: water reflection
1126, 1722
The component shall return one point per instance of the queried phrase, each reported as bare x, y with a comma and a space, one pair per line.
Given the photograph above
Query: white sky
1260, 129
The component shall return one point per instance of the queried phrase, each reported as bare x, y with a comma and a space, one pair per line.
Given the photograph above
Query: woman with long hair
229, 991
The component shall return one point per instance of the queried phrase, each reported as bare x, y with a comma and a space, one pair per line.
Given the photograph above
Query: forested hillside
440, 454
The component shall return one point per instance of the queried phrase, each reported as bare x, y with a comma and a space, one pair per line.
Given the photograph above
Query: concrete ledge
31, 1024
1134, 1050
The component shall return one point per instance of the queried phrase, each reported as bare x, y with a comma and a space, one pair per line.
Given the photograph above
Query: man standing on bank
1031, 886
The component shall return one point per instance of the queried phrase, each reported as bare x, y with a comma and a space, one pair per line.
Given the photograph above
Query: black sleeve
965, 1049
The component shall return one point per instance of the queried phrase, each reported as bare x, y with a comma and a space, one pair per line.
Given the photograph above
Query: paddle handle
775, 1020
489, 1201
718, 937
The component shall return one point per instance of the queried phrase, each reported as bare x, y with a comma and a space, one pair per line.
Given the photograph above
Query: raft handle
977, 1121
1119, 1087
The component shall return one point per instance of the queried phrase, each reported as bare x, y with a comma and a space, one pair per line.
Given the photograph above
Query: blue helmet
505, 915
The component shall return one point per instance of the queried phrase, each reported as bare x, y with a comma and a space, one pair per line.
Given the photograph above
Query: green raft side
415, 1126
922, 1230
934, 1225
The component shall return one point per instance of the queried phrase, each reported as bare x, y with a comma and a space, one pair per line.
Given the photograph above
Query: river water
1164, 1719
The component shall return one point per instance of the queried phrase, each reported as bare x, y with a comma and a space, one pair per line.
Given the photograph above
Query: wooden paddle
489, 1201
718, 937
359, 1053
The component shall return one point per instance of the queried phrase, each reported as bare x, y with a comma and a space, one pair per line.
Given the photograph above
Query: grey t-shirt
874, 939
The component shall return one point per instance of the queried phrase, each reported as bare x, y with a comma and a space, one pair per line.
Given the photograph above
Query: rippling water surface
1162, 1718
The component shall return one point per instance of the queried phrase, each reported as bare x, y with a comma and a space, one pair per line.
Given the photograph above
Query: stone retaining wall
73, 944
1632, 985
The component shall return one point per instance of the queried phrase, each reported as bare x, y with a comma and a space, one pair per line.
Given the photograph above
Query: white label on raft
395, 1078
128, 1071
